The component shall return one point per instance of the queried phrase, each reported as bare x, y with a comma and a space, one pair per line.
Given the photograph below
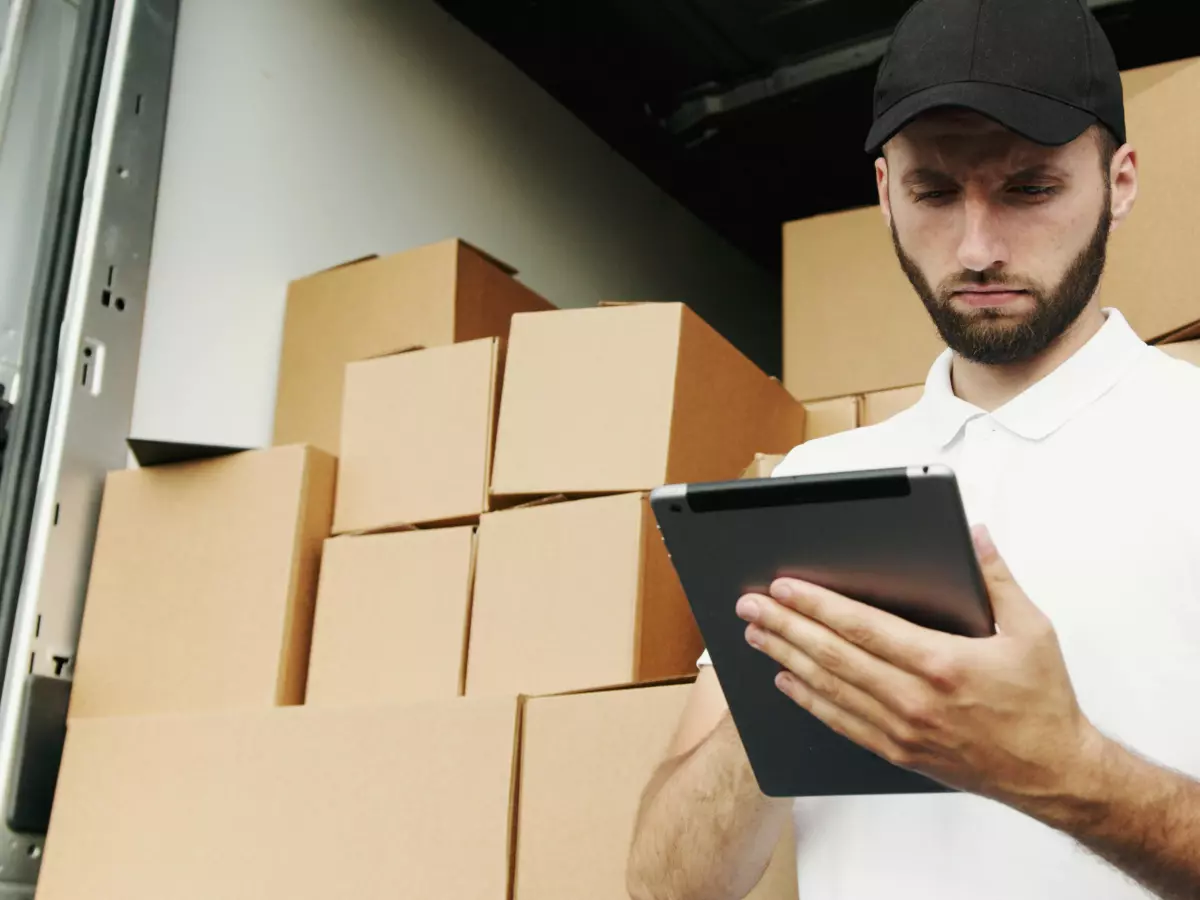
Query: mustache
968, 279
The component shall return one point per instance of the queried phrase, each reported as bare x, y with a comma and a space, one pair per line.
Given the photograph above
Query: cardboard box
417, 431
1189, 351
879, 406
584, 762
434, 295
826, 417
391, 620
202, 584
763, 466
625, 398
853, 324
300, 803
1149, 276
574, 596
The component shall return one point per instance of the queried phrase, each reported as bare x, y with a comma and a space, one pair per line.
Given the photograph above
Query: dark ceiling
749, 112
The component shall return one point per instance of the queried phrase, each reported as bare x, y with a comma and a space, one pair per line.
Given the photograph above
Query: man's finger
882, 709
829, 652
844, 723
879, 633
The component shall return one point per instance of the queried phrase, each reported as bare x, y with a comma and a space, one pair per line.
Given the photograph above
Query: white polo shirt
1089, 482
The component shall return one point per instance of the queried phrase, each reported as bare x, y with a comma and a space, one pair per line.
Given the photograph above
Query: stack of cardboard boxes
430, 644
442, 664
857, 343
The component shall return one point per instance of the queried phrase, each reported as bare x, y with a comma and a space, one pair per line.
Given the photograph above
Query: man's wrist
1100, 783
1069, 790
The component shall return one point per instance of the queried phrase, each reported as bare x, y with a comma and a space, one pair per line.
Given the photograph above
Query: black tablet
895, 538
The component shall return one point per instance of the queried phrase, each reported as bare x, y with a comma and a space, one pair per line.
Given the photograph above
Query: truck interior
167, 167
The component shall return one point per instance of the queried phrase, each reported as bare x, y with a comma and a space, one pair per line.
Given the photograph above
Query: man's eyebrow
1042, 170
925, 175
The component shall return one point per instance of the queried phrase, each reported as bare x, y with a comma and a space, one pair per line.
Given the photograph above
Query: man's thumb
1010, 605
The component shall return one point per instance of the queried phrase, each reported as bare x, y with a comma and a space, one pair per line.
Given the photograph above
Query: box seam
466, 635
289, 621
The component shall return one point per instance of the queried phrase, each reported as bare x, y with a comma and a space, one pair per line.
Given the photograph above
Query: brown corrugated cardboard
300, 803
1149, 275
826, 417
628, 397
202, 584
417, 432
391, 620
584, 761
1185, 350
426, 297
577, 595
763, 466
879, 406
1135, 81
852, 323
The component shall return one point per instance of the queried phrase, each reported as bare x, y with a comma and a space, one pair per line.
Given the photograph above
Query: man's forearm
1143, 819
705, 831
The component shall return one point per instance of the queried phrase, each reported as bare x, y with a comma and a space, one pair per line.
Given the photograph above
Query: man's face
1003, 239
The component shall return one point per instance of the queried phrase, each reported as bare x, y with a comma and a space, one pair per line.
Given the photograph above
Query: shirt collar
1049, 404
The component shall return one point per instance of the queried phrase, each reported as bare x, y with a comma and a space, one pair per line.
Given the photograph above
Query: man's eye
1034, 191
933, 196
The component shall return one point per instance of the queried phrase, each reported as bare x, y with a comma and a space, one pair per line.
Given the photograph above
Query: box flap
160, 453
407, 348
500, 264
344, 265
539, 501
622, 686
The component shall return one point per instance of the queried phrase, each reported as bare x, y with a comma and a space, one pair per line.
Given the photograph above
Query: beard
984, 335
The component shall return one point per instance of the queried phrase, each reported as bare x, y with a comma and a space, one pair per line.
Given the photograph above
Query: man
1003, 167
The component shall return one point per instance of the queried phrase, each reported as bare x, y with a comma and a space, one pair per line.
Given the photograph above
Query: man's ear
1123, 177
881, 184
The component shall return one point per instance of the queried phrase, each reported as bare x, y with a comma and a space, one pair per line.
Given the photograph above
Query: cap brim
1041, 119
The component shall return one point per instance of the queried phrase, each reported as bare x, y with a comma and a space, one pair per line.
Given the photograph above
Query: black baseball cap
1041, 68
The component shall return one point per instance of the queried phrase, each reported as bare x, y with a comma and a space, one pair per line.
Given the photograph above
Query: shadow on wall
333, 129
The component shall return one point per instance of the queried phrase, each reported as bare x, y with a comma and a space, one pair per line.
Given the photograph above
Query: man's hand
995, 716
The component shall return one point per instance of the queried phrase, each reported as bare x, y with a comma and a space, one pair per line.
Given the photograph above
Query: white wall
302, 133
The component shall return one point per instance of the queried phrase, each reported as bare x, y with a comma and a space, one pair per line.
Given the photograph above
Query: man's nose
982, 246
